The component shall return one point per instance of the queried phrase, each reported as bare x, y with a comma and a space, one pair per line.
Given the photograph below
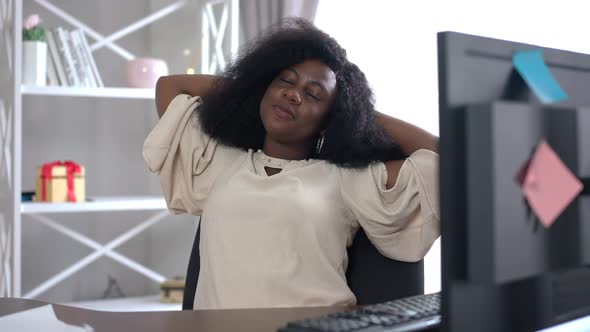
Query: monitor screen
502, 269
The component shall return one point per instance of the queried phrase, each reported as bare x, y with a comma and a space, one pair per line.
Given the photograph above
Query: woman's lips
283, 113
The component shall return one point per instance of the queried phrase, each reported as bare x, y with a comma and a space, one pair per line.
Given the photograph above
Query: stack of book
70, 60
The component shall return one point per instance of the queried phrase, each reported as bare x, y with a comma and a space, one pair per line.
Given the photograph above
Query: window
394, 43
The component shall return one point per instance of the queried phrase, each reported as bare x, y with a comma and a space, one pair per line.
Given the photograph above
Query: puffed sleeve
186, 159
403, 221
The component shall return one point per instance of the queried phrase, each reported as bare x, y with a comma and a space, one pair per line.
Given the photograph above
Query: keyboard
408, 314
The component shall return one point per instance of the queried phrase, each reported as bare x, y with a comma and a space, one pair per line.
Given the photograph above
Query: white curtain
257, 15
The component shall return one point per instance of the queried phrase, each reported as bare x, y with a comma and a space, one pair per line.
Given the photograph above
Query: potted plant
34, 52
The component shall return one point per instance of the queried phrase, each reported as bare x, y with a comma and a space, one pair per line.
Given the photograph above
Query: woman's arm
171, 86
409, 137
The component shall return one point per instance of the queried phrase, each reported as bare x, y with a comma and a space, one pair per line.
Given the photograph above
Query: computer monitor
501, 269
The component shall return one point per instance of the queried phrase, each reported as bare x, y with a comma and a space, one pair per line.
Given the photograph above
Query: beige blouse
280, 241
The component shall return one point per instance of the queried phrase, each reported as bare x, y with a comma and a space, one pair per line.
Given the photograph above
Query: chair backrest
192, 273
372, 277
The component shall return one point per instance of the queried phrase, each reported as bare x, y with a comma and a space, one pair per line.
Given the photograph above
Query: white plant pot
34, 63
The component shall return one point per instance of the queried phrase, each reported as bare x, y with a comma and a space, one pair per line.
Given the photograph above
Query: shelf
141, 303
97, 204
107, 92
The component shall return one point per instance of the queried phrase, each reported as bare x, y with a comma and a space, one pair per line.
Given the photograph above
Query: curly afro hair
231, 114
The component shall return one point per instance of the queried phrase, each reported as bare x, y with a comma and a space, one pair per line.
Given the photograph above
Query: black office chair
372, 277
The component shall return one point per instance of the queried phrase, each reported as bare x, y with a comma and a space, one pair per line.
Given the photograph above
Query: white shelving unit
12, 92
127, 93
97, 204
140, 303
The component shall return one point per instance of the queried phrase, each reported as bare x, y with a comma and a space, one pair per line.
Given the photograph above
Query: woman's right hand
171, 86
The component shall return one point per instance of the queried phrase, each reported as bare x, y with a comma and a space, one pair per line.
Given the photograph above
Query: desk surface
258, 320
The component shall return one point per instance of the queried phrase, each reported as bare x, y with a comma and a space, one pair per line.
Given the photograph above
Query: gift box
172, 291
60, 182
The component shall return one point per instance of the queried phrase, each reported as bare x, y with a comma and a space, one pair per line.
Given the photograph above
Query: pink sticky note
520, 176
548, 184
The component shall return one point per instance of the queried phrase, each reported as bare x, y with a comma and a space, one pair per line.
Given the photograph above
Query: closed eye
313, 96
286, 81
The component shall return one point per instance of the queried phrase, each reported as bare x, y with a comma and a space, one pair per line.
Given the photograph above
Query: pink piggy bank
144, 72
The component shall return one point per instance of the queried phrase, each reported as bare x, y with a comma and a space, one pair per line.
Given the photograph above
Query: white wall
394, 43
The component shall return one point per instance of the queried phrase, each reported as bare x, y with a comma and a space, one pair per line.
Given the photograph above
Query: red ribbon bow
71, 169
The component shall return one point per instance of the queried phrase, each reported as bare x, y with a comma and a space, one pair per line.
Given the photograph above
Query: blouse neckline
272, 162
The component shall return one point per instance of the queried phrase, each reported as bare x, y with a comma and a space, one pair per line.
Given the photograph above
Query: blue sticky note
532, 68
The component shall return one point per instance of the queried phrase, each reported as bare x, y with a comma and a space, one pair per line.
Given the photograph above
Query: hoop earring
320, 143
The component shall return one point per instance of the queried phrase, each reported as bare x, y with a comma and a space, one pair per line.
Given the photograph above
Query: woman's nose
292, 95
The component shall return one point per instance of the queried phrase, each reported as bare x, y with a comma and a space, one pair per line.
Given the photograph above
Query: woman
284, 157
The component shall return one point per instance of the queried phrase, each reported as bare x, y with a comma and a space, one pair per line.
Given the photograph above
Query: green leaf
35, 34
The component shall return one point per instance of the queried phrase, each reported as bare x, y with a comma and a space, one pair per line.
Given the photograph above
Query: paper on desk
580, 324
533, 70
38, 319
548, 184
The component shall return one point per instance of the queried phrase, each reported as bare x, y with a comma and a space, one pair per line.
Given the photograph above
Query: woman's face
297, 101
